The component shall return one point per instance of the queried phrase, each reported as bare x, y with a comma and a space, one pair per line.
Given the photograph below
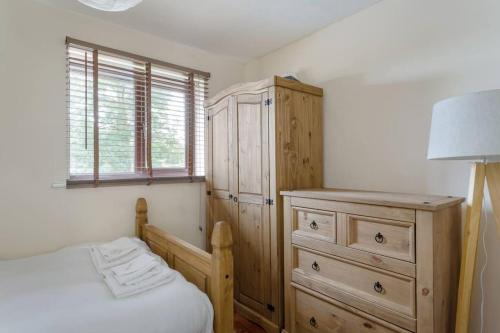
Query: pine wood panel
289, 300
218, 167
384, 212
446, 249
316, 224
341, 306
373, 259
325, 288
250, 147
252, 180
426, 304
267, 324
212, 273
253, 273
221, 210
299, 139
266, 138
493, 179
268, 83
389, 238
313, 315
275, 220
397, 292
243, 325
220, 147
297, 86
401, 200
471, 236
191, 274
297, 154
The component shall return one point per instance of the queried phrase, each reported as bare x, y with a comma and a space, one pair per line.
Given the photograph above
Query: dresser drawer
316, 224
370, 285
315, 315
385, 237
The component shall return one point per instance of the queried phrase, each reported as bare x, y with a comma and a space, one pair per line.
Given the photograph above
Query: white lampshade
111, 5
466, 127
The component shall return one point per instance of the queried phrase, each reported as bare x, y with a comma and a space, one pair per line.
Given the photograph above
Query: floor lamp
468, 128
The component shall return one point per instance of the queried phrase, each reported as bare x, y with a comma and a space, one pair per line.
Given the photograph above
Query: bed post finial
222, 277
141, 216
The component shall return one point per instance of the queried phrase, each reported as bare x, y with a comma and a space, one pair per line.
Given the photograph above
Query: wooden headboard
211, 273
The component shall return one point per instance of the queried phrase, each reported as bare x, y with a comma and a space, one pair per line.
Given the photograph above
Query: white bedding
62, 292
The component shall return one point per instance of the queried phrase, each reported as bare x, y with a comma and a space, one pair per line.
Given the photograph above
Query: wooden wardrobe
262, 137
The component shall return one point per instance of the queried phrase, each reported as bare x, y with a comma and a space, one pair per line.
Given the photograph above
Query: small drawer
315, 315
332, 275
314, 223
385, 237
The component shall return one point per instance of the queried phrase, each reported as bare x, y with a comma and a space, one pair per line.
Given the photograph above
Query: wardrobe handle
313, 322
235, 199
379, 238
230, 196
313, 225
377, 286
315, 266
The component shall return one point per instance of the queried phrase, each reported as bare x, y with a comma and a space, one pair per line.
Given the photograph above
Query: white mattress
62, 292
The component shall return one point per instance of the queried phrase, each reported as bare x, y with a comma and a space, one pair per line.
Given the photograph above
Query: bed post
141, 216
222, 277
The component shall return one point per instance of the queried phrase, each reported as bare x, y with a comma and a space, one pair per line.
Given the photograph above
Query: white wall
382, 69
34, 217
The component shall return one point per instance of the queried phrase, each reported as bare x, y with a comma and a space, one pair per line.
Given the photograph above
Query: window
132, 118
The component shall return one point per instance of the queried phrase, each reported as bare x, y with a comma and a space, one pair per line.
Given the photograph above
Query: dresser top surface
403, 200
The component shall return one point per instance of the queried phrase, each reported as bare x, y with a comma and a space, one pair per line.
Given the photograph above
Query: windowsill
87, 183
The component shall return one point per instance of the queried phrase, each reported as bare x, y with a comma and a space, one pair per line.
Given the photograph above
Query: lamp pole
479, 172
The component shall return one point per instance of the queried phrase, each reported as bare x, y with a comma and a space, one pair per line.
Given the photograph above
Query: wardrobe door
251, 148
218, 166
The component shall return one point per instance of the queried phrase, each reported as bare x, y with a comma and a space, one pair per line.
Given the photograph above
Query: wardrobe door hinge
208, 117
270, 307
269, 202
268, 102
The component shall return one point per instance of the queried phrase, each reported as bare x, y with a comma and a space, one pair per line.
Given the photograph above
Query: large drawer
313, 315
381, 236
374, 287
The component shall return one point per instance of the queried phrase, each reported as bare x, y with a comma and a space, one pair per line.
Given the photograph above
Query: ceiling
243, 29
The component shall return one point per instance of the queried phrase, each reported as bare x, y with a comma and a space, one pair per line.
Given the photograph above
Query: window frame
144, 172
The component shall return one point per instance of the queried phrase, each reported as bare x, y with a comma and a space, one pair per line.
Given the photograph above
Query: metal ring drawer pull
377, 286
235, 199
314, 225
379, 238
368, 325
313, 322
315, 266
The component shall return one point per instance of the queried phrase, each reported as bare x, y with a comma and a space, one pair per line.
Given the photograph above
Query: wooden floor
242, 325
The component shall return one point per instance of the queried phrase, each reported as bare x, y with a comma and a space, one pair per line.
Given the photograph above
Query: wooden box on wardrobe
263, 137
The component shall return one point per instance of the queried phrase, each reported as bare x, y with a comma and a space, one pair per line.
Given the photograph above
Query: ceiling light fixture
111, 5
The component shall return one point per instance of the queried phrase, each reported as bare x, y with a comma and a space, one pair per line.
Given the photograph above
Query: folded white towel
134, 268
152, 272
117, 249
101, 263
165, 275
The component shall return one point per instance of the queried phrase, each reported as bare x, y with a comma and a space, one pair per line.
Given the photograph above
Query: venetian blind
131, 117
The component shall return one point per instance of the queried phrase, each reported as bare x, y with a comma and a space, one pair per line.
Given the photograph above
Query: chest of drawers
358, 261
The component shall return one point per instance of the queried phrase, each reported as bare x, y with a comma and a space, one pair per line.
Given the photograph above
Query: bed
62, 292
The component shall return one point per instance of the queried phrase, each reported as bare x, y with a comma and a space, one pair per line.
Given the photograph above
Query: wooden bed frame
211, 273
